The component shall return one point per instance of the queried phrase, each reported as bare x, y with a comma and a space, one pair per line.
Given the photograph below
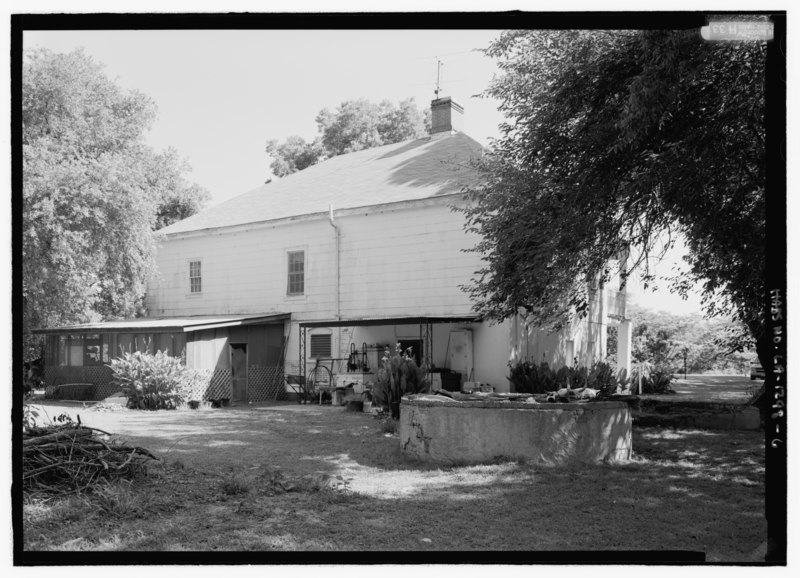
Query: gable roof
411, 170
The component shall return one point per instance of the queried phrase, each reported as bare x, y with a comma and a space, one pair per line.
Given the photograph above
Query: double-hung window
297, 272
195, 277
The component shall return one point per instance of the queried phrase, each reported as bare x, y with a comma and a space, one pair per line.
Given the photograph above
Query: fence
99, 375
263, 383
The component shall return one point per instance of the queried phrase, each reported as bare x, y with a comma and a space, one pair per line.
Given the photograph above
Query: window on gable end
296, 274
195, 277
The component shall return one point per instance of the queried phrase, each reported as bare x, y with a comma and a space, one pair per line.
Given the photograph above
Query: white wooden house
355, 253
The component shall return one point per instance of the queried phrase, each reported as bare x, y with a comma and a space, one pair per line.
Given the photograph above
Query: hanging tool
352, 362
364, 363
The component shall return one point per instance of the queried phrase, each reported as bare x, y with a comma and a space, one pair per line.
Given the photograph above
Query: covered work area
347, 353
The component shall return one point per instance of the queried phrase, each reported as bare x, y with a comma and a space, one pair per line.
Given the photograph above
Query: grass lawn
316, 478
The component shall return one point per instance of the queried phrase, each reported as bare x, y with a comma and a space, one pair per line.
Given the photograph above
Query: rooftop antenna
439, 65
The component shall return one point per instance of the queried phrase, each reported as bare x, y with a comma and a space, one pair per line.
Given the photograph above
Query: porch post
624, 345
301, 368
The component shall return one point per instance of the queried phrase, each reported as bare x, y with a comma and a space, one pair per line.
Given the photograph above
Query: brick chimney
447, 116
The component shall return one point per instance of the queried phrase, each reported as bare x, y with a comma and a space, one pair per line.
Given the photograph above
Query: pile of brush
75, 458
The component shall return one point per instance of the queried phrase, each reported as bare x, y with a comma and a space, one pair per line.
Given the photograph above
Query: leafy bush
660, 381
564, 376
30, 414
527, 377
622, 379
152, 381
603, 377
655, 379
398, 375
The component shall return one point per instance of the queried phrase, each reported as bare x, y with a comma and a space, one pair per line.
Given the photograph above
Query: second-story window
195, 277
296, 280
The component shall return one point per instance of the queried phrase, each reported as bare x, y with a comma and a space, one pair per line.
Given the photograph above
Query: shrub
29, 416
579, 376
563, 377
603, 377
520, 377
623, 380
151, 381
527, 377
655, 379
398, 375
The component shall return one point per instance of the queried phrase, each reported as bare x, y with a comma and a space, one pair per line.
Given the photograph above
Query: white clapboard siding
405, 262
399, 261
243, 271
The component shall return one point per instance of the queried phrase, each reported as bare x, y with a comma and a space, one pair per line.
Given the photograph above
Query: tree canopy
93, 192
355, 125
663, 339
613, 142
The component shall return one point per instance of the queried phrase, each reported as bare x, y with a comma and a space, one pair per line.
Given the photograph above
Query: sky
221, 95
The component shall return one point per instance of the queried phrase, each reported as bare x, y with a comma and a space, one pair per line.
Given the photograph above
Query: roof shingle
411, 170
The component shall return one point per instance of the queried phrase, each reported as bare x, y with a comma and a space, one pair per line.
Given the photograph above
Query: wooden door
239, 371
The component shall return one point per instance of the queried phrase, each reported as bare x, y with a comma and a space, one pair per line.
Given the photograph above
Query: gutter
338, 277
282, 221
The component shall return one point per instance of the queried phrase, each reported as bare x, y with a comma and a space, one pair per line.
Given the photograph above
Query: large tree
615, 141
176, 197
93, 192
353, 126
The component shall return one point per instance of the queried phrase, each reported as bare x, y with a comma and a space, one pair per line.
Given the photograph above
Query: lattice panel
220, 385
265, 383
62, 375
50, 375
97, 374
200, 384
105, 390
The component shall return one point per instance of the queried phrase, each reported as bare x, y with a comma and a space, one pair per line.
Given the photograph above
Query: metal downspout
338, 279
